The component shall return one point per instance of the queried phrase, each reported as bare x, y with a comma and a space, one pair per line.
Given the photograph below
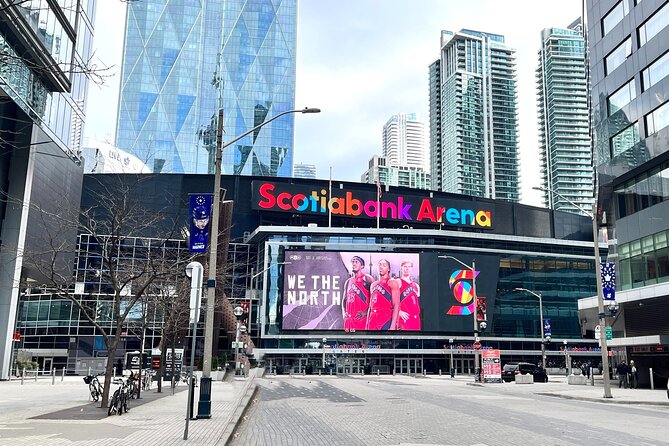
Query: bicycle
118, 400
147, 378
186, 378
94, 386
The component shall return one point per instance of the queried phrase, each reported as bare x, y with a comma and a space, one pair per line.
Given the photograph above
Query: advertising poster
200, 213
352, 291
492, 368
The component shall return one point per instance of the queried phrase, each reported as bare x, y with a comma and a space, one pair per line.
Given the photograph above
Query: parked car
510, 371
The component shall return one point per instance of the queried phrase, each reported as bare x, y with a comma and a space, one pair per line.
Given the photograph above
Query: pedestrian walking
622, 370
667, 387
634, 375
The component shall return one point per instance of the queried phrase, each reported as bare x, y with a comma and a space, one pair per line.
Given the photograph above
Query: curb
604, 400
238, 414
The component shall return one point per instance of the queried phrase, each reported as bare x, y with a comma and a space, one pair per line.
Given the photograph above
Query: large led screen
351, 291
386, 291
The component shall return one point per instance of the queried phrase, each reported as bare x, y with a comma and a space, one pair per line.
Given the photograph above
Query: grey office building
630, 90
45, 47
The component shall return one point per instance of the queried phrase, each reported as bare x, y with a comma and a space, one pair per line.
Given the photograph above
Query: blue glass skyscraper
183, 60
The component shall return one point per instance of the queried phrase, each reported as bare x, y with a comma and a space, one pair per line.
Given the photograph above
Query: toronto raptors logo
461, 283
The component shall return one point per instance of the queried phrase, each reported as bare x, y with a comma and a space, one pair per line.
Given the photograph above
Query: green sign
609, 333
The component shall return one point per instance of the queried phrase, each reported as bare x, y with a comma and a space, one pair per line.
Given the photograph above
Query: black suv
510, 371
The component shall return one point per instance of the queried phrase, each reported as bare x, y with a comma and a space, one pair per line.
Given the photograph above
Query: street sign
477, 345
609, 333
598, 332
16, 336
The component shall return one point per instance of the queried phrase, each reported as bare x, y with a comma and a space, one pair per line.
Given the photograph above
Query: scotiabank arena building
350, 278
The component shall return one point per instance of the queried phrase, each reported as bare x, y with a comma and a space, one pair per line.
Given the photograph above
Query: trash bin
452, 372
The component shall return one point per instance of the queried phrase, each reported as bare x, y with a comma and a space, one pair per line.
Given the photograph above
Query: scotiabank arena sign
306, 199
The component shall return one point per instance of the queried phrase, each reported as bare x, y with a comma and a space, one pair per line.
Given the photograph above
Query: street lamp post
452, 370
476, 326
204, 408
239, 314
541, 322
600, 297
324, 341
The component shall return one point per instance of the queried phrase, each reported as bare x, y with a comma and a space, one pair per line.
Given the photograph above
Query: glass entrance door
408, 366
46, 366
463, 366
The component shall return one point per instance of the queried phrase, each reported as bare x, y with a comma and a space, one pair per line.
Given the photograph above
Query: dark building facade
290, 258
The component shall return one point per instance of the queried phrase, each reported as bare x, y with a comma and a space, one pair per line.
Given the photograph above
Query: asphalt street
419, 411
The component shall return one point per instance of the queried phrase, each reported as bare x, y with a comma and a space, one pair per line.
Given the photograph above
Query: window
657, 119
655, 72
618, 56
614, 16
653, 25
625, 139
621, 97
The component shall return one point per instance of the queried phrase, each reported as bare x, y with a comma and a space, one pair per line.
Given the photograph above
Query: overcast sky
361, 61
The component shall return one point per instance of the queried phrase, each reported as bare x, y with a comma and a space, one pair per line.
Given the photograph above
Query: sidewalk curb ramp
603, 400
238, 414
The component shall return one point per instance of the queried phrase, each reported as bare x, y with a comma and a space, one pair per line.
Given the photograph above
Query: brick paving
304, 410
404, 410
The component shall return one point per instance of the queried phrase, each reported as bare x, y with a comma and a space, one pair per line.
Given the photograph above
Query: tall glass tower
562, 103
474, 147
184, 60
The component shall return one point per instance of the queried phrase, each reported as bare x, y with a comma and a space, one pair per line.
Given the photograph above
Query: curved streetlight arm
541, 322
264, 123
600, 298
253, 276
545, 189
459, 261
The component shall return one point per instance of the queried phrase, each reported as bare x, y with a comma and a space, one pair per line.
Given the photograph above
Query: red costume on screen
380, 306
357, 301
409, 304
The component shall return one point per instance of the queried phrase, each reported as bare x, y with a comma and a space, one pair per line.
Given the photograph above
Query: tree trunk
161, 366
109, 370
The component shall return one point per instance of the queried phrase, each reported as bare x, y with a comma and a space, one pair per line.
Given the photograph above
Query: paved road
419, 411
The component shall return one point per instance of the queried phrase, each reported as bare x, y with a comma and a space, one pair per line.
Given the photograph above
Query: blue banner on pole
547, 328
608, 273
200, 214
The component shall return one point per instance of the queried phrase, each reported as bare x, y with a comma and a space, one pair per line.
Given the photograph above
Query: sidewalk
42, 413
557, 387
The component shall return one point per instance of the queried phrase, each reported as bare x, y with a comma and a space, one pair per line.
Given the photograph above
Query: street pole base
204, 403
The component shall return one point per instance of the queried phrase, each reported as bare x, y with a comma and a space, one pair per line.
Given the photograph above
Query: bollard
319, 372
330, 372
439, 372
23, 375
377, 372
36, 373
424, 372
304, 372
393, 372
62, 377
652, 383
53, 376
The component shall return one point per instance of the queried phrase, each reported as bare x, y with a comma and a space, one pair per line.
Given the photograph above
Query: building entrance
408, 366
463, 366
348, 366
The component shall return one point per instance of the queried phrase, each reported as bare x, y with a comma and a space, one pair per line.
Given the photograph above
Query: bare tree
120, 259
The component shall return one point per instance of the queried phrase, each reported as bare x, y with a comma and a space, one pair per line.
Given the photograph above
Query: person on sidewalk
622, 370
634, 375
